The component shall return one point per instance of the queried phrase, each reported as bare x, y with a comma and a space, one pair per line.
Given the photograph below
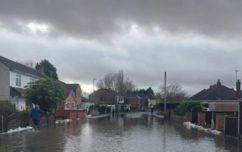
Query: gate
194, 117
231, 126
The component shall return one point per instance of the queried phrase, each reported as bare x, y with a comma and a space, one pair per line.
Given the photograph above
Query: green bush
188, 106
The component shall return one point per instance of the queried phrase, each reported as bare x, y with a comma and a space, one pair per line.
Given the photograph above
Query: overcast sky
195, 41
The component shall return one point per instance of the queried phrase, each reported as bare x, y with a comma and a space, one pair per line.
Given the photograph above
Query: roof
16, 91
19, 67
216, 92
72, 86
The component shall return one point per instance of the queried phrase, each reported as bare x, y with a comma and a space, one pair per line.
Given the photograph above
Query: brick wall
71, 114
225, 107
81, 115
219, 124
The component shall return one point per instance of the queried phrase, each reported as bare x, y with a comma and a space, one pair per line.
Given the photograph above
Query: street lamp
93, 80
165, 93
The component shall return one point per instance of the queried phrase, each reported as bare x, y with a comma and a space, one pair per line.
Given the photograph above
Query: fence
22, 119
13, 120
231, 126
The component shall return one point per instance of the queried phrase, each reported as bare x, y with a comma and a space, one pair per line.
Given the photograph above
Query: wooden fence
13, 120
22, 119
231, 126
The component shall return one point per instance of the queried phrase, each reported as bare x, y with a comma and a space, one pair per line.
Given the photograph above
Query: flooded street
124, 134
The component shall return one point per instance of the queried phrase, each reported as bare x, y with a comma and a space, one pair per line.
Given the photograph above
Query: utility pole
165, 93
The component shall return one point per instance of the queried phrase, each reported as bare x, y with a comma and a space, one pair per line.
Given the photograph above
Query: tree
116, 82
46, 93
47, 68
148, 92
174, 92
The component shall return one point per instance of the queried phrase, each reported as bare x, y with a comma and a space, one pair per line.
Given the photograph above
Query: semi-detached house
15, 76
13, 79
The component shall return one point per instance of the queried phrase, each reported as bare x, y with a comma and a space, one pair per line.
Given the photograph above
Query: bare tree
174, 92
117, 82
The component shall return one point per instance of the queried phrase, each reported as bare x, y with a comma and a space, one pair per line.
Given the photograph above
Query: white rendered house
13, 79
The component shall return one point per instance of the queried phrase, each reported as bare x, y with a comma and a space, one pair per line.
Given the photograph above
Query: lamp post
93, 81
165, 93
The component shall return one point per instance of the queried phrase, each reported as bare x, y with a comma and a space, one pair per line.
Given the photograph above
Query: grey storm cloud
193, 68
199, 42
104, 18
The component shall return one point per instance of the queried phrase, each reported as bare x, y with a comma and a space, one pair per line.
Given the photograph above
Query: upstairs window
18, 80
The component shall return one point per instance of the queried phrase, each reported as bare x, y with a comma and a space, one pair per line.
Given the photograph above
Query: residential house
216, 92
219, 97
133, 101
104, 96
222, 101
136, 102
13, 79
73, 98
219, 94
71, 107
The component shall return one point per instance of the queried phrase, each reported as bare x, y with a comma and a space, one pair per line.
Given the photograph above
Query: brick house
217, 92
104, 96
71, 106
133, 101
219, 97
136, 102
221, 100
73, 96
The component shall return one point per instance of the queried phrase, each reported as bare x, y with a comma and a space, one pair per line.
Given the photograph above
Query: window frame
18, 80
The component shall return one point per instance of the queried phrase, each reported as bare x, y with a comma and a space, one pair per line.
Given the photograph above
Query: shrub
187, 106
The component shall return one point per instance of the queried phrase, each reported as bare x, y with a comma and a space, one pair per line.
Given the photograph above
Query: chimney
219, 82
238, 89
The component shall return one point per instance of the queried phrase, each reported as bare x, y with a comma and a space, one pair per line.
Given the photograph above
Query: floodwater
131, 133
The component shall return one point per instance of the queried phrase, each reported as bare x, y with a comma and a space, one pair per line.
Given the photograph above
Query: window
18, 80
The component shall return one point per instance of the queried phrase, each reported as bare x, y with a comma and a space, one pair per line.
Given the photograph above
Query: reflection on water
122, 134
